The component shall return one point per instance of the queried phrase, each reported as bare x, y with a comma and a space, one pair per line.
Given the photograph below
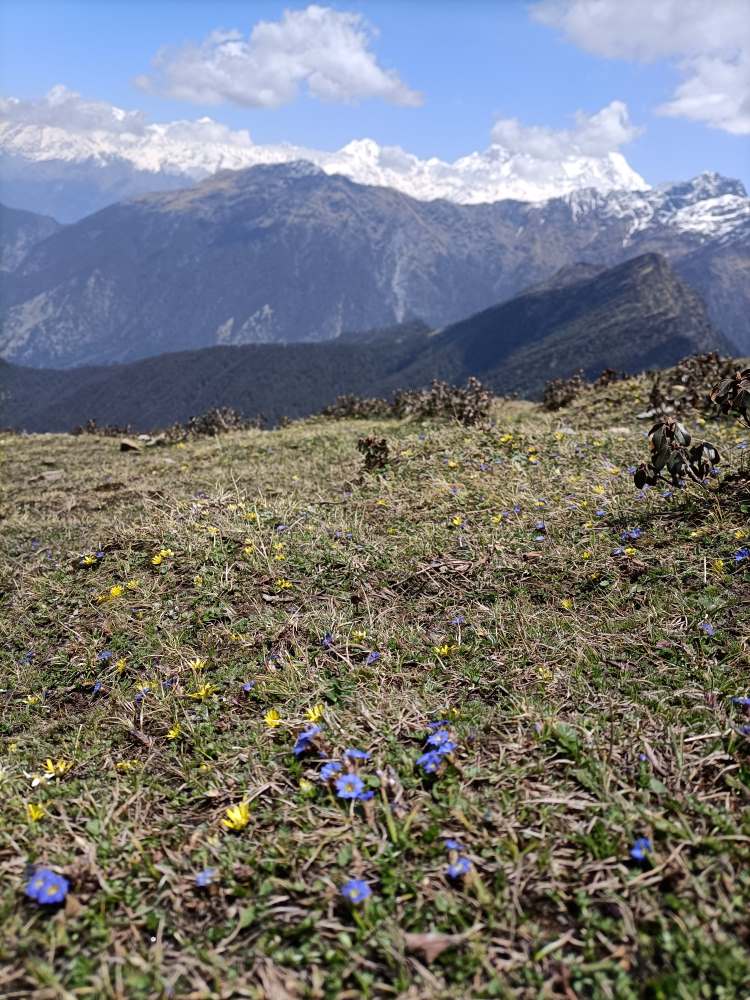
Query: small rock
128, 444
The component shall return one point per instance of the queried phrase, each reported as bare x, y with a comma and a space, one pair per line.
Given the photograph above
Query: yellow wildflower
197, 664
197, 581
133, 584
121, 664
629, 550
166, 553
88, 560
57, 768
740, 533
128, 765
35, 812
380, 502
446, 649
506, 438
533, 458
237, 817
452, 464
457, 521
567, 603
718, 567
272, 718
358, 635
599, 490
496, 518
157, 560
116, 591
282, 584
248, 550
32, 699
558, 435
586, 554
175, 732
203, 692
250, 515
315, 713
306, 787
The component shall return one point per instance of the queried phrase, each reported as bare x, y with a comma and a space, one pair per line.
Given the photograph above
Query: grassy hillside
581, 643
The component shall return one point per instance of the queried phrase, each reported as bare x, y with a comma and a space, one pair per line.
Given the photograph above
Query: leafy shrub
467, 404
218, 420
375, 452
560, 392
671, 450
732, 394
689, 384
105, 430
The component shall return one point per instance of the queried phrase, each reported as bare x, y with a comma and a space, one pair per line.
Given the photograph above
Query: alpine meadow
375, 500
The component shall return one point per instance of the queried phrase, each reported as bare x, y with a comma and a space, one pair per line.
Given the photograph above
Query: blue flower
631, 536
366, 796
349, 786
438, 737
356, 890
460, 867
430, 761
46, 887
451, 844
438, 724
205, 878
640, 848
96, 688
247, 687
106, 654
330, 769
707, 628
458, 620
372, 658
600, 513
744, 700
742, 554
302, 744
327, 641
355, 754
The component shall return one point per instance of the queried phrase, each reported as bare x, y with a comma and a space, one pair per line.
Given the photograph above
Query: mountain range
288, 253
633, 316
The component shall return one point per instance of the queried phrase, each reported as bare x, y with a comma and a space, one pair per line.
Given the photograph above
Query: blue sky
473, 61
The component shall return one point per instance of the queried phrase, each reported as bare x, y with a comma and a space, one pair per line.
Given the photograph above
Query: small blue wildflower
349, 786
96, 688
330, 769
28, 657
642, 757
460, 867
353, 753
356, 891
46, 887
631, 535
438, 724
742, 554
458, 620
744, 701
99, 554
451, 844
484, 467
517, 509
744, 730
372, 658
140, 695
327, 641
708, 628
304, 740
430, 761
630, 470
618, 551
540, 526
106, 654
454, 490
205, 878
281, 528
600, 513
247, 687
641, 847
439, 738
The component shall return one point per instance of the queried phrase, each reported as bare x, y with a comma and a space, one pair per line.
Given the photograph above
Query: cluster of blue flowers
460, 865
46, 887
440, 743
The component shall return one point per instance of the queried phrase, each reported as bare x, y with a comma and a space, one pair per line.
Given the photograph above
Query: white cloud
593, 135
323, 50
67, 109
709, 40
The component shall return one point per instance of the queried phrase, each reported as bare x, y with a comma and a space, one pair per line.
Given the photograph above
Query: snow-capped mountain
68, 157
287, 252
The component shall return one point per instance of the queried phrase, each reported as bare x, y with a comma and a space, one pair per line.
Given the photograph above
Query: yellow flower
88, 560
567, 603
32, 699
506, 438
598, 443
250, 515
197, 581
316, 712
740, 534
248, 550
306, 787
282, 584
101, 598
544, 673
35, 812
12, 747
57, 768
358, 635
718, 567
452, 464
279, 557
599, 490
446, 649
166, 553
157, 560
203, 692
558, 435
212, 530
116, 591
629, 550
121, 664
457, 521
175, 732
197, 663
237, 817
496, 518
381, 502
128, 765
533, 458
586, 554
272, 718
133, 584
